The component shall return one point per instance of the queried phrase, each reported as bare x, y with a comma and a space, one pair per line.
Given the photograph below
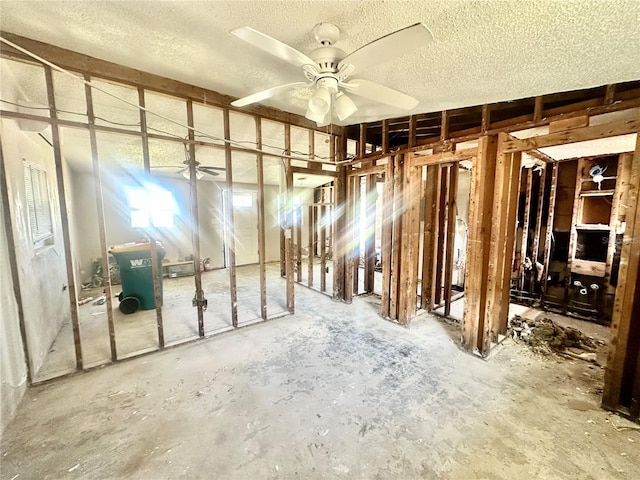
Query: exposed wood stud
356, 199
549, 230
262, 255
538, 108
444, 126
412, 130
195, 234
310, 255
609, 94
622, 181
153, 249
442, 231
298, 244
525, 228
451, 234
535, 249
64, 217
385, 135
102, 229
429, 243
340, 223
231, 235
386, 246
288, 233
486, 118
370, 241
396, 249
480, 207
625, 318
362, 142
323, 248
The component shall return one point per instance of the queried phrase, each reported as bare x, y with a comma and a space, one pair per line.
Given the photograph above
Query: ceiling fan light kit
327, 68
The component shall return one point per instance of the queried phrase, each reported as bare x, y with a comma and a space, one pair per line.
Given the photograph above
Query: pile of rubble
545, 336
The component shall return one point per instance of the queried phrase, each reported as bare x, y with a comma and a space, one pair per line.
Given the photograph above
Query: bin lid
134, 247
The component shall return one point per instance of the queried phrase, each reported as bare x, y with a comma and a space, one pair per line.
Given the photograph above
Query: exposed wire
201, 133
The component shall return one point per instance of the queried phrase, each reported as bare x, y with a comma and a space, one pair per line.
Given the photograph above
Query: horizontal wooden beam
623, 127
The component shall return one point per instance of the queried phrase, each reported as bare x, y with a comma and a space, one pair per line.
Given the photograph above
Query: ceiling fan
200, 169
327, 69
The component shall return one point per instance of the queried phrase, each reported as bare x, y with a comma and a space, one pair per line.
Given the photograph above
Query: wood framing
231, 234
451, 232
480, 208
262, 255
387, 246
621, 388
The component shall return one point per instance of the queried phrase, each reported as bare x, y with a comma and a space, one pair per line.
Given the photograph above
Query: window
37, 189
153, 206
242, 200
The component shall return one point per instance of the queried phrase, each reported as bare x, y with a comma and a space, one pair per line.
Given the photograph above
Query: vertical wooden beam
535, 249
231, 234
396, 251
311, 255
507, 183
195, 224
153, 247
437, 232
486, 119
370, 229
510, 218
323, 247
64, 218
288, 234
442, 231
413, 121
609, 94
429, 243
340, 223
387, 231
356, 225
362, 142
622, 182
553, 191
298, 249
444, 126
452, 209
480, 207
262, 253
623, 318
525, 228
102, 229
410, 239
538, 108
385, 136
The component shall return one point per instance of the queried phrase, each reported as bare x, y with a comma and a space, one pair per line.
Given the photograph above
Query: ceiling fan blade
382, 94
272, 46
209, 172
264, 94
388, 47
205, 167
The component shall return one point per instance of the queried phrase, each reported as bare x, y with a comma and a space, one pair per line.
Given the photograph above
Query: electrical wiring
316, 158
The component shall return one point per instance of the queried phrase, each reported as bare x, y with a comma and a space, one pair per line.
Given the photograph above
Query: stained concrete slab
330, 392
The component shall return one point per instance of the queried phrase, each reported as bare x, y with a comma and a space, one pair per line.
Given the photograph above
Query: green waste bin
134, 260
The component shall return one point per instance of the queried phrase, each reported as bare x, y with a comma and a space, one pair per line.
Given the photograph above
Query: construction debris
545, 336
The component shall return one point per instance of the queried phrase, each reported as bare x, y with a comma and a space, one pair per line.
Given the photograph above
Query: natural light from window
151, 206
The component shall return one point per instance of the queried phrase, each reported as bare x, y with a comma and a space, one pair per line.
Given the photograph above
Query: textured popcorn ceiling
484, 51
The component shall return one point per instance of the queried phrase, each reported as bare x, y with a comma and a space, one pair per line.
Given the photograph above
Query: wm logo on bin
140, 262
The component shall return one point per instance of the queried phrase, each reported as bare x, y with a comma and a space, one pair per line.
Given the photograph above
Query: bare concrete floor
330, 392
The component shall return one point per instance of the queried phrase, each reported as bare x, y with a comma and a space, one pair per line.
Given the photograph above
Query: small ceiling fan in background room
184, 170
327, 69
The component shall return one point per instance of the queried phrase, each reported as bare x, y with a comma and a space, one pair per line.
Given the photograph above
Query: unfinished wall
13, 369
42, 272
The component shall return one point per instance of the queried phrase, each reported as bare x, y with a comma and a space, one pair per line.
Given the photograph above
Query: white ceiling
484, 51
